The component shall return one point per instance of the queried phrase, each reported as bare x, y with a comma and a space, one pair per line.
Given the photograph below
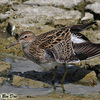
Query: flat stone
95, 7
75, 74
89, 79
2, 80
3, 17
88, 17
4, 67
2, 2
35, 18
89, 63
92, 1
65, 3
26, 82
99, 77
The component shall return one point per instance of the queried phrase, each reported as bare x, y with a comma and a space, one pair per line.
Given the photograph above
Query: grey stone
4, 16
30, 17
3, 2
2, 80
26, 82
92, 1
95, 7
58, 3
88, 16
4, 67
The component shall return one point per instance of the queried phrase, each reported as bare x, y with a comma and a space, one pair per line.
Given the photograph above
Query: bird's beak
16, 42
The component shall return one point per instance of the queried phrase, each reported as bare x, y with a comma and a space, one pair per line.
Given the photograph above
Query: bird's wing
60, 44
86, 50
77, 37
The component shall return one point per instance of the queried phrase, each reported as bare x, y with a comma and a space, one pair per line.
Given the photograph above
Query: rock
16, 50
74, 74
26, 82
4, 67
62, 96
95, 7
99, 77
98, 25
35, 18
90, 63
57, 3
90, 79
4, 6
88, 17
96, 68
4, 17
2, 80
92, 1
3, 2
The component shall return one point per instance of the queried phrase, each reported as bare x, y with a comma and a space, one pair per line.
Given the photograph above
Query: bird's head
24, 38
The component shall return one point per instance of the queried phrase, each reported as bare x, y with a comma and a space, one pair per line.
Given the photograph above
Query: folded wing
59, 44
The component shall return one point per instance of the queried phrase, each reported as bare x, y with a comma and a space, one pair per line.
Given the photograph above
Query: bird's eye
25, 36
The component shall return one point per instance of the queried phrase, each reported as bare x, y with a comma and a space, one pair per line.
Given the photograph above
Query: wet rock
82, 76
74, 74
22, 65
2, 80
25, 82
90, 63
57, 3
16, 50
88, 17
90, 79
96, 68
59, 96
4, 68
99, 77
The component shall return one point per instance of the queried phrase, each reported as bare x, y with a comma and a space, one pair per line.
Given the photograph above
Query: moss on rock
26, 82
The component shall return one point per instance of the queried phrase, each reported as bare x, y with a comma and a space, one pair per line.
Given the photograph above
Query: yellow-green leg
53, 78
62, 81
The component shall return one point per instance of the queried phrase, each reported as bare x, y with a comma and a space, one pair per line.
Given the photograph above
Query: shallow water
27, 65
23, 65
69, 89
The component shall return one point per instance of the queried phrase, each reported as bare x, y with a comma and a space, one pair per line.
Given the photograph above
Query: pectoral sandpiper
60, 46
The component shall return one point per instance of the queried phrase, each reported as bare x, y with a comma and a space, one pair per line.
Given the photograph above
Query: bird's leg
62, 81
53, 78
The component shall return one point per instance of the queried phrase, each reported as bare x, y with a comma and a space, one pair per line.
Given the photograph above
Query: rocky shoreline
41, 16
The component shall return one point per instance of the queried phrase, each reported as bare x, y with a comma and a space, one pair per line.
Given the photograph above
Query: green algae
4, 8
15, 50
4, 68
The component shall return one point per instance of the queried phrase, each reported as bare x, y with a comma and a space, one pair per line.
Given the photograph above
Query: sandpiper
60, 46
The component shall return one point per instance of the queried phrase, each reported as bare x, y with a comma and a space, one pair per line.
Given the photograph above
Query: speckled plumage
63, 45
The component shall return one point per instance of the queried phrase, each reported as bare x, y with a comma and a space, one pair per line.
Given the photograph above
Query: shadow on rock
74, 74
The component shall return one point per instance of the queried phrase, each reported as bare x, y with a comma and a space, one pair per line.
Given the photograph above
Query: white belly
49, 65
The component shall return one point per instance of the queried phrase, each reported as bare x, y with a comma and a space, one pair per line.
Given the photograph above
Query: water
26, 65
